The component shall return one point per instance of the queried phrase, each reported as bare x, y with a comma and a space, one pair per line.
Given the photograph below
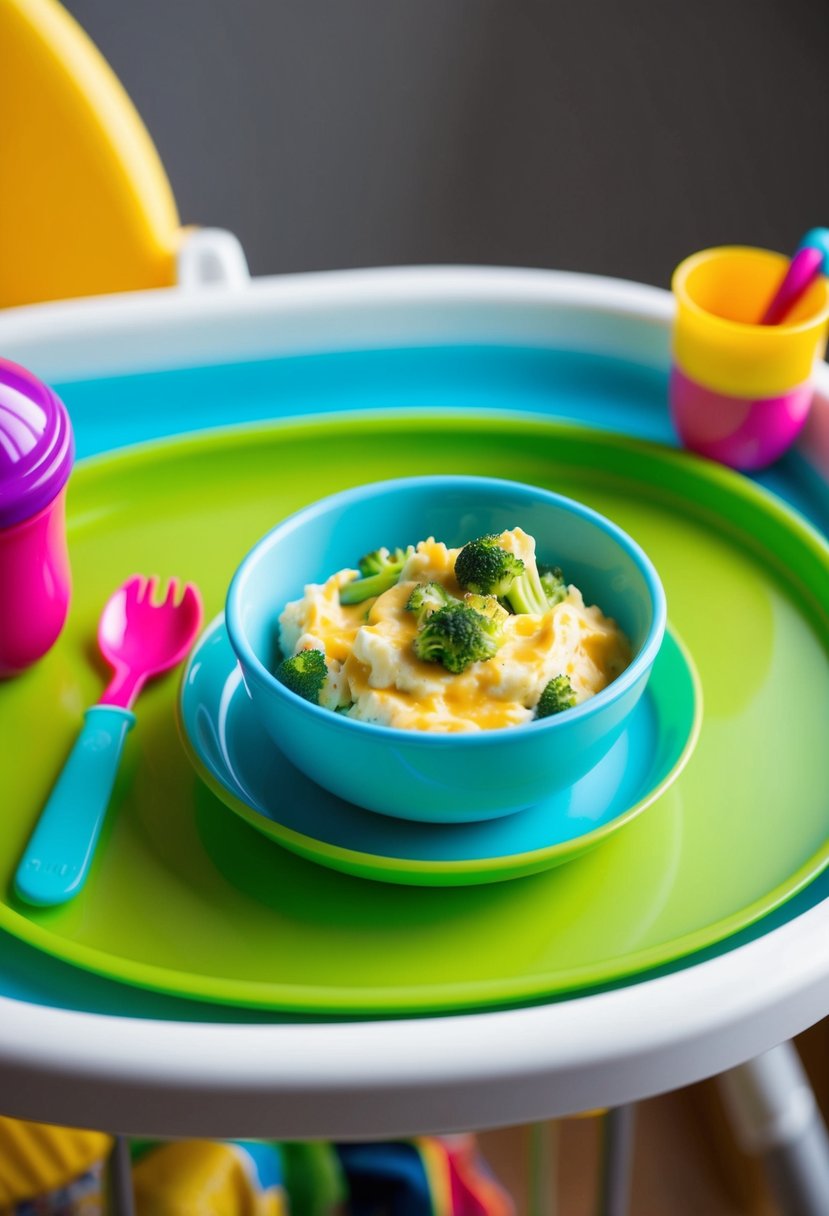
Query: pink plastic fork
140, 638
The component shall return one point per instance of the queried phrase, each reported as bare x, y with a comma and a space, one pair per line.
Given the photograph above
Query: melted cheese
373, 667
320, 615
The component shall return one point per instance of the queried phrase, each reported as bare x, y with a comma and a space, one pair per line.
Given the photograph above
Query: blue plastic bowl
440, 777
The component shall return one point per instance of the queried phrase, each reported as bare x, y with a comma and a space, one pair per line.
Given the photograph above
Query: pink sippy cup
36, 452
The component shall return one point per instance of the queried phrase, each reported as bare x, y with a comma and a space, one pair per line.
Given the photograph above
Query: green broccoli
304, 674
380, 570
379, 561
427, 598
457, 636
553, 584
484, 568
487, 605
556, 696
527, 593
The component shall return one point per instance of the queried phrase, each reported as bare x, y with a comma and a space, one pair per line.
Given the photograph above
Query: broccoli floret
527, 593
553, 584
427, 598
487, 605
380, 570
380, 560
557, 695
304, 674
457, 636
484, 568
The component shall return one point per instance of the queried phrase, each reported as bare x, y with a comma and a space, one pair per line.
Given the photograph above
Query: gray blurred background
599, 136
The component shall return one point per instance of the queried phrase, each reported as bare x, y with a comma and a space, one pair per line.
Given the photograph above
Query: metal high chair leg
119, 1192
543, 1175
616, 1163
776, 1118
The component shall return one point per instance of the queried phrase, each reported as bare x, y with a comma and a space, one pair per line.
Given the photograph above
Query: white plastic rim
339, 310
363, 1080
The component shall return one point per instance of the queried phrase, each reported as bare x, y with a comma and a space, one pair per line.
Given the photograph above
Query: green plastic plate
187, 898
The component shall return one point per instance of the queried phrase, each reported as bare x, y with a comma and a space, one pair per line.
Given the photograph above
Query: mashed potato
374, 674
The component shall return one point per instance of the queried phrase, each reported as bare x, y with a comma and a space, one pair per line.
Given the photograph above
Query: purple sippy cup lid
36, 444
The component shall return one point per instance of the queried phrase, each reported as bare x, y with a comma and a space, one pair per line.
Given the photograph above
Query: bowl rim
253, 667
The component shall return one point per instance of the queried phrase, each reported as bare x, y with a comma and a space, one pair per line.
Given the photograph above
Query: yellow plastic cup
740, 391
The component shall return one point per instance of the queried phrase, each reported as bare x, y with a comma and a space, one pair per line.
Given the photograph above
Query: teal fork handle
57, 858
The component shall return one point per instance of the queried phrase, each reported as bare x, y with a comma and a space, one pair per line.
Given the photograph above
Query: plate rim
504, 867
503, 420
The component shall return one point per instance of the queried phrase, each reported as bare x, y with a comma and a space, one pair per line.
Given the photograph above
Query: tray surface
178, 902
596, 389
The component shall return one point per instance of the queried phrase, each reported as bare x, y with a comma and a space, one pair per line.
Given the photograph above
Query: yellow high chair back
85, 205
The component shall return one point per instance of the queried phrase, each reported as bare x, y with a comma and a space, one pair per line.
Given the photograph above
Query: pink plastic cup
36, 453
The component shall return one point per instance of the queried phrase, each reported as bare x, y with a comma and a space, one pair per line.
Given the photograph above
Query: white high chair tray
80, 1050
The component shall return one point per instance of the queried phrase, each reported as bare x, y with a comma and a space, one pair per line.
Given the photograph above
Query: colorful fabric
314, 1178
386, 1180
84, 1196
424, 1177
429, 1176
475, 1190
36, 1158
210, 1178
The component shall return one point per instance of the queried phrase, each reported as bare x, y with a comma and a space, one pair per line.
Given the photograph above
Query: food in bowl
440, 776
433, 638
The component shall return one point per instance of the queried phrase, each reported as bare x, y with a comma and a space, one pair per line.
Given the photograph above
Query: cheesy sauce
373, 670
